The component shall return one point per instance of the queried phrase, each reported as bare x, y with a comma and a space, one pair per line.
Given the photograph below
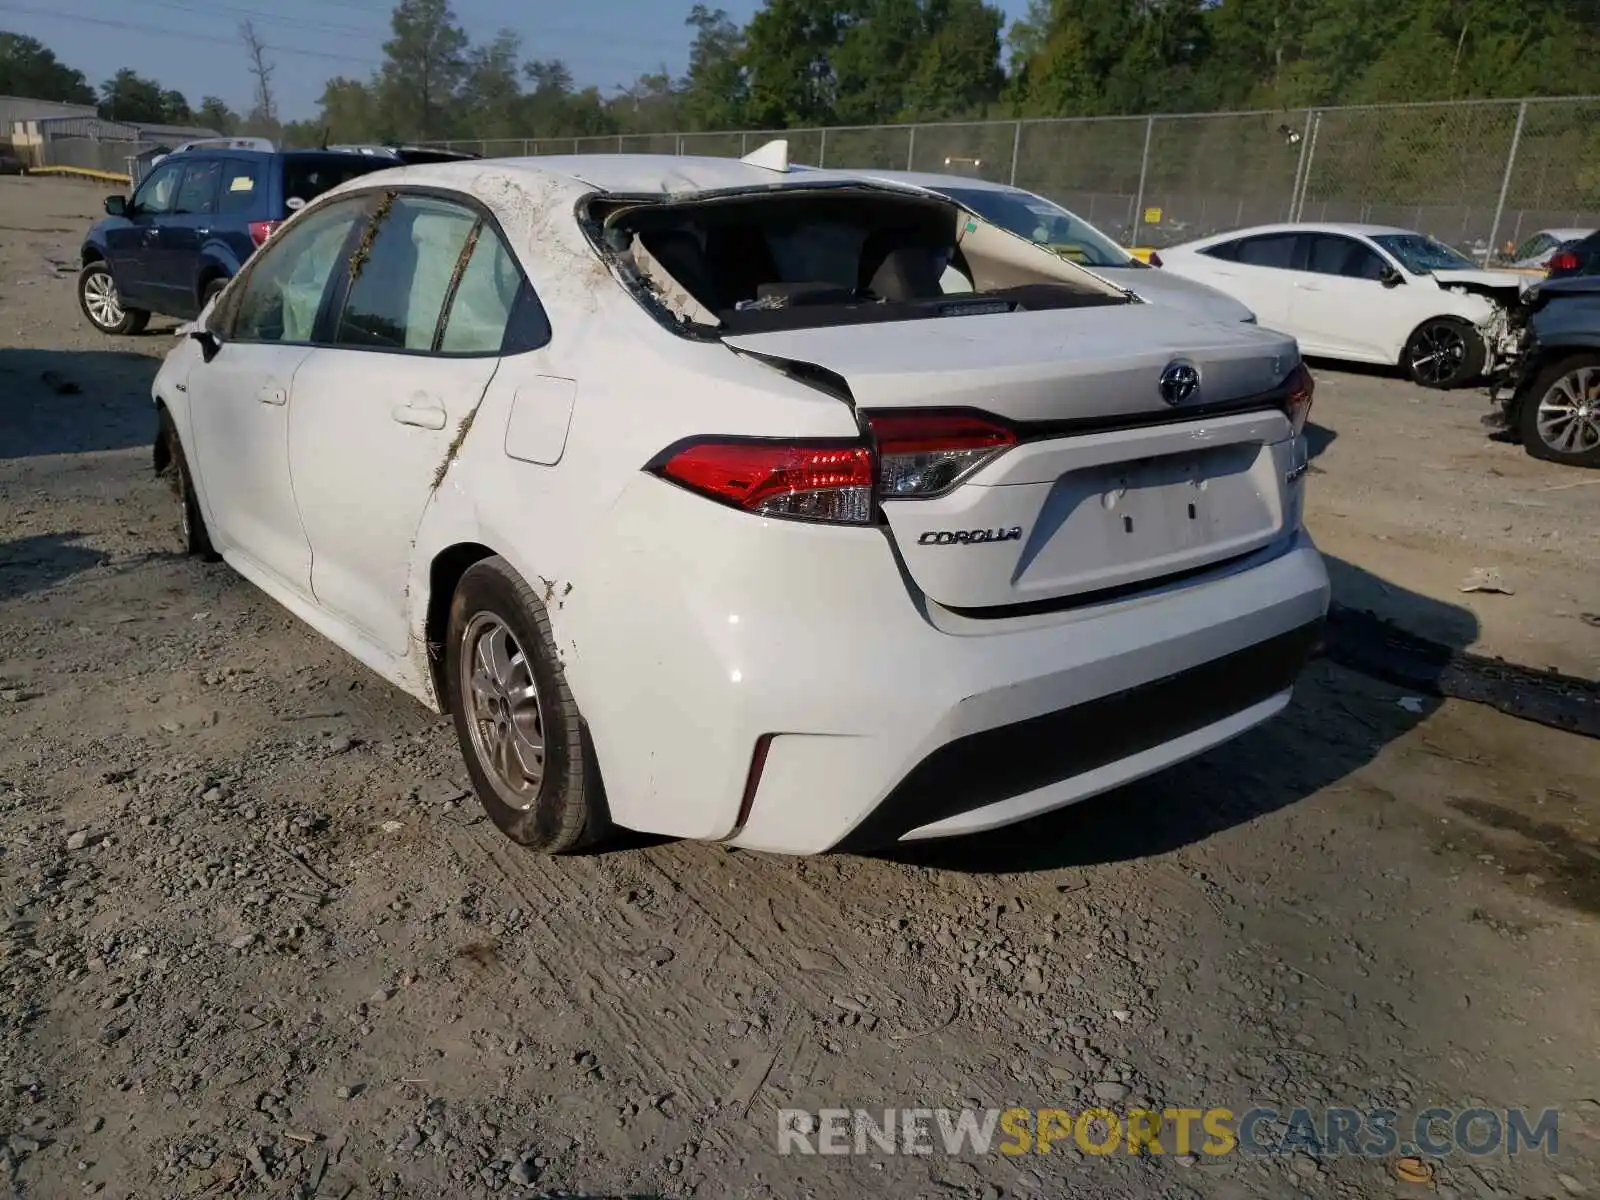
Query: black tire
96, 278
192, 533
562, 810
1444, 352
210, 290
1587, 451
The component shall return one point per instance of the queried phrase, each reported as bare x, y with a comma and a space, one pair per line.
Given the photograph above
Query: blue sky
193, 45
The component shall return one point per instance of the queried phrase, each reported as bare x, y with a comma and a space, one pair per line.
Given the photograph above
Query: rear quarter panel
638, 388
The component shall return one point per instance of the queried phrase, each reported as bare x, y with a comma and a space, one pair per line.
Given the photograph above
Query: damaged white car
1363, 293
690, 495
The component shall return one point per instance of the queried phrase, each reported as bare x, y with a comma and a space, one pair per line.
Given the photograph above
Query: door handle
272, 394
421, 412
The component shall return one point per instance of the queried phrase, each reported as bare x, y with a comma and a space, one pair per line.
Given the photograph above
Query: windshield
1043, 223
1422, 255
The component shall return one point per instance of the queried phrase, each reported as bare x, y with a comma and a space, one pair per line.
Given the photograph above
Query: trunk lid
1112, 487
1048, 365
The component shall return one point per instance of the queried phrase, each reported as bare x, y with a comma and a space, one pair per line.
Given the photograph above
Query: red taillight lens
805, 481
1565, 261
260, 231
913, 456
1297, 406
923, 454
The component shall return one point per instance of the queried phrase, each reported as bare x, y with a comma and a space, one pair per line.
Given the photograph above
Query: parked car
1047, 224
684, 476
1534, 253
1576, 258
1361, 293
194, 219
1548, 395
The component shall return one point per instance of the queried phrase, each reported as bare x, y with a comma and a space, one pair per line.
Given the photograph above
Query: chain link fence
1481, 175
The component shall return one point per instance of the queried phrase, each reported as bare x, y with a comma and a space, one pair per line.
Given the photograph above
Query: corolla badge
1179, 381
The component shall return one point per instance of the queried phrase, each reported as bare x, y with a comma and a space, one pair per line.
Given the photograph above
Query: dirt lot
255, 940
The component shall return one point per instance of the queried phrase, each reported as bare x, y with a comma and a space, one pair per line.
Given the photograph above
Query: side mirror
116, 206
209, 345
1390, 278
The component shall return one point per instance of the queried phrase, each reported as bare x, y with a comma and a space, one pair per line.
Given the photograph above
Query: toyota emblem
1179, 381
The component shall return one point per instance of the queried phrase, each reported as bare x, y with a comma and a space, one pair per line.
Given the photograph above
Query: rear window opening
796, 258
305, 177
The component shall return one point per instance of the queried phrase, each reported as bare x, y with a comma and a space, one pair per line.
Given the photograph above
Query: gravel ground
256, 940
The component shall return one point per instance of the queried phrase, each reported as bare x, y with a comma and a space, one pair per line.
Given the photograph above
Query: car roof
665, 175
931, 180
1350, 228
1563, 235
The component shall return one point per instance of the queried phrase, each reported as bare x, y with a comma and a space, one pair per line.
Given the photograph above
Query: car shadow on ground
74, 401
1318, 439
40, 561
1337, 723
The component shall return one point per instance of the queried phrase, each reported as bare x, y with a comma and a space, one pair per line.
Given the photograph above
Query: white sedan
1361, 293
1047, 224
685, 489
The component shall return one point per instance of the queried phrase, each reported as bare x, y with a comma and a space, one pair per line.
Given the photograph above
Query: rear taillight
807, 481
910, 456
260, 231
1297, 405
1565, 261
928, 453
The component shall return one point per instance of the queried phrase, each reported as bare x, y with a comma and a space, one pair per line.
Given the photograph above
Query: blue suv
195, 219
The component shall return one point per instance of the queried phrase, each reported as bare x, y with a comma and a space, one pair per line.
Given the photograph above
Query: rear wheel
101, 303
515, 717
1559, 418
211, 291
1445, 352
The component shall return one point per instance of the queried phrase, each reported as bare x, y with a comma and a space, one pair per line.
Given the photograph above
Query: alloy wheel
101, 299
505, 714
1568, 419
1438, 352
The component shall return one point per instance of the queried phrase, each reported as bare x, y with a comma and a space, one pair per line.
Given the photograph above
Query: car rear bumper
882, 716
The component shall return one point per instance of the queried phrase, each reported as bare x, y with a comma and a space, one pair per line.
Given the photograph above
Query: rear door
1110, 483
184, 230
417, 339
1259, 271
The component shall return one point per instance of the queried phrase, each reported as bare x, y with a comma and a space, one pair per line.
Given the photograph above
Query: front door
240, 401
377, 416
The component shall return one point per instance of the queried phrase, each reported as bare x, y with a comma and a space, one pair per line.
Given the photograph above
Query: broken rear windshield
800, 257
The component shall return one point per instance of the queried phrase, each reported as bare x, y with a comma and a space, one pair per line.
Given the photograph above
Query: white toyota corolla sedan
687, 491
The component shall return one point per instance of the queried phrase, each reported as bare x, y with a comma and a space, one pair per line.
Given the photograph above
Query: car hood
1155, 286
1481, 279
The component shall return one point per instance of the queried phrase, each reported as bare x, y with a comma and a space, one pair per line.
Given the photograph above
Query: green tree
424, 64
128, 96
957, 73
715, 93
214, 114
350, 112
788, 48
30, 68
491, 100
